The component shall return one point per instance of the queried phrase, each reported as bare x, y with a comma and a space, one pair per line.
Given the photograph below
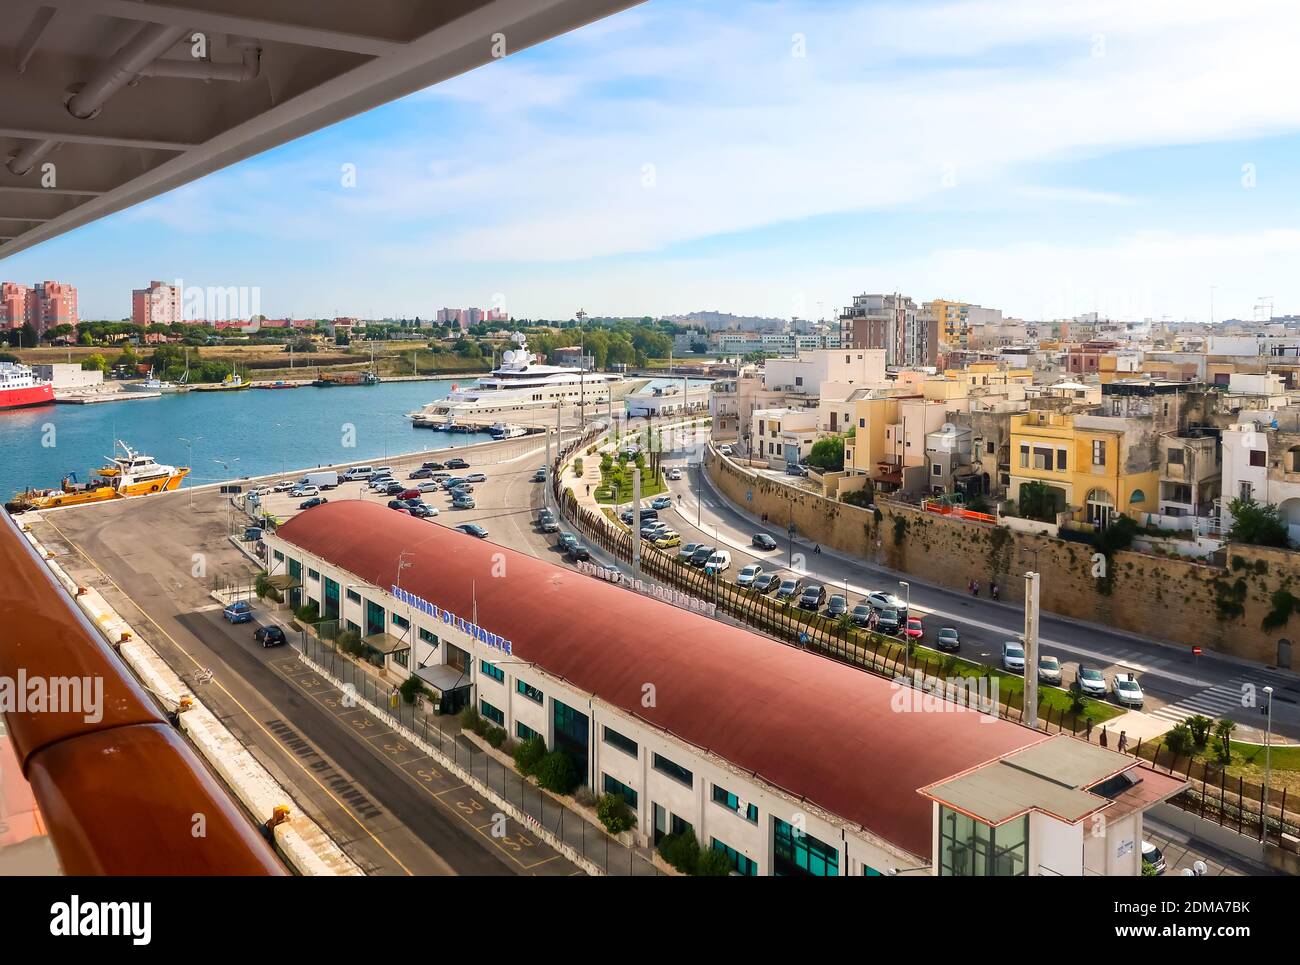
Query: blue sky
775, 158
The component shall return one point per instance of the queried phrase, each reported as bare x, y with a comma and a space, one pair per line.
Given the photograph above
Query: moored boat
19, 387
130, 474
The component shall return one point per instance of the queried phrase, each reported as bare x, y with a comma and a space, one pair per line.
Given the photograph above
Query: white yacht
518, 390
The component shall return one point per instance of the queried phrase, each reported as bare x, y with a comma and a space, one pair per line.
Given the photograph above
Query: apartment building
893, 323
45, 305
805, 374
159, 304
1261, 461
783, 437
889, 439
15, 305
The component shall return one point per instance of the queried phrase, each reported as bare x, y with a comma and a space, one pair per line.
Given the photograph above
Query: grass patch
1247, 764
616, 486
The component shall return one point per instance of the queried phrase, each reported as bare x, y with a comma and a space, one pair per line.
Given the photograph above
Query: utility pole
636, 522
1029, 716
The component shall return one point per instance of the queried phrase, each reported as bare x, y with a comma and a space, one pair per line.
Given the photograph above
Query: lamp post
1268, 762
189, 460
907, 600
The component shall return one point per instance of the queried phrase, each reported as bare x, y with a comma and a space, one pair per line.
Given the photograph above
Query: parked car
457, 463
548, 523
566, 540
1013, 656
396, 504
701, 554
661, 502
241, 611
270, 636
301, 491
409, 494
380, 483
748, 574
539, 475
403, 510
284, 485
887, 601
315, 501
837, 606
1127, 691
395, 489
453, 482
889, 620
260, 491
766, 582
763, 541
1049, 670
674, 474
948, 639
476, 477
668, 539
577, 553
687, 551
861, 615
1154, 857
1092, 682
812, 597
473, 529
467, 502
423, 511
789, 589
794, 469
914, 629
421, 473
384, 471
432, 465
429, 486
717, 563
725, 450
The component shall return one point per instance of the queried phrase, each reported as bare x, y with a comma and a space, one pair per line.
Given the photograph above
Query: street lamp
189, 461
907, 591
1268, 740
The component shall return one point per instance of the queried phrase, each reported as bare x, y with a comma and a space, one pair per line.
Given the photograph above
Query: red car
915, 630
410, 494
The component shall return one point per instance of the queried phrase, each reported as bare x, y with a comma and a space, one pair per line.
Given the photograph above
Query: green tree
827, 454
93, 362
615, 814
712, 864
528, 755
1038, 501
1256, 523
557, 774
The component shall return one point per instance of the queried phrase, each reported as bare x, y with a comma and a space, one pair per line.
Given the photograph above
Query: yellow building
1095, 465
951, 317
990, 373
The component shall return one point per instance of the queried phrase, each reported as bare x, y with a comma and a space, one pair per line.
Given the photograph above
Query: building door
1100, 508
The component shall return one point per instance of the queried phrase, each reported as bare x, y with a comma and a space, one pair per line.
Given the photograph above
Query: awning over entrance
285, 581
385, 643
443, 677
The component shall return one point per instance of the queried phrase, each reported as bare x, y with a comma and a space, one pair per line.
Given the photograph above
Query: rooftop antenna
403, 563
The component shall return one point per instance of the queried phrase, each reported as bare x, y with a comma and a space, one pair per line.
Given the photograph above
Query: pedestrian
1123, 741
993, 590
1104, 741
1088, 733
588, 489
975, 588
817, 549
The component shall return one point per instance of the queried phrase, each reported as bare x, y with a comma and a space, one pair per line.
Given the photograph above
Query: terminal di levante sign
452, 620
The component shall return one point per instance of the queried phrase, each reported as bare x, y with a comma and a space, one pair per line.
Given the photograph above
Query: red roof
816, 728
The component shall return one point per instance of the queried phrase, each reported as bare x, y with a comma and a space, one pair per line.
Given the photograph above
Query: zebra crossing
1241, 694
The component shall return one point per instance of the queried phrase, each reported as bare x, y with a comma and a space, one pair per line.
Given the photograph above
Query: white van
717, 563
324, 480
358, 472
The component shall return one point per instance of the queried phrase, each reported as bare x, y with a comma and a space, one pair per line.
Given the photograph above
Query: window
1259, 457
529, 691
615, 786
1098, 452
312, 574
1174, 457
401, 621
1062, 460
490, 670
678, 773
732, 803
992, 447
491, 713
738, 861
279, 557
614, 739
862, 423
524, 732
428, 637
1042, 458
936, 469
1024, 457
799, 853
971, 848
354, 596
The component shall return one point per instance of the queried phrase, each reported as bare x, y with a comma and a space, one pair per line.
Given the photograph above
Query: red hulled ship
19, 387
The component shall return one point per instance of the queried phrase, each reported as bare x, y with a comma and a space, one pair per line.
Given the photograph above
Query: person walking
1123, 741
975, 588
993, 590
1104, 740
1087, 734
817, 549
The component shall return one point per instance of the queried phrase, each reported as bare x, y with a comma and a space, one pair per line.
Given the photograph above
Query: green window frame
732, 803
529, 691
745, 865
491, 713
674, 770
613, 785
625, 744
401, 621
496, 673
526, 733
428, 637
800, 854
354, 596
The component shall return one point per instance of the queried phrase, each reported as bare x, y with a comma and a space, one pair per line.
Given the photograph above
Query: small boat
278, 384
130, 474
331, 379
151, 383
231, 383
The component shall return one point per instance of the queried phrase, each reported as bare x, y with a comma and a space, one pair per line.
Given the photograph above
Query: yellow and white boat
131, 474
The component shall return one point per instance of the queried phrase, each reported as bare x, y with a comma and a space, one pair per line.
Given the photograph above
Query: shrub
472, 720
615, 814
411, 688
556, 773
495, 736
349, 641
712, 864
1077, 700
308, 614
528, 755
1179, 739
585, 796
262, 585
1200, 727
681, 851
1223, 733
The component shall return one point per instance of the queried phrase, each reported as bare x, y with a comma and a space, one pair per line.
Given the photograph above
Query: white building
783, 436
787, 762
1261, 460
67, 375
806, 373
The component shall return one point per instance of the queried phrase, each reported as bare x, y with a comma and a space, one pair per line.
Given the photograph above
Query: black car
837, 606
421, 510
861, 615
890, 621
789, 589
397, 504
314, 501
413, 502
271, 636
949, 639
766, 582
456, 463
432, 466
393, 488
763, 541
701, 555
473, 529
812, 597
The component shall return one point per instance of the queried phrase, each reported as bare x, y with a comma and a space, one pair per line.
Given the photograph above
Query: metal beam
32, 37
5, 217
28, 189
214, 22
99, 140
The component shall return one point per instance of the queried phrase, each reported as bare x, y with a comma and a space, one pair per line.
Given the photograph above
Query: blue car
661, 502
239, 612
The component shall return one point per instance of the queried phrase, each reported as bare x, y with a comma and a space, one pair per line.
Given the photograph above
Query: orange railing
124, 794
944, 509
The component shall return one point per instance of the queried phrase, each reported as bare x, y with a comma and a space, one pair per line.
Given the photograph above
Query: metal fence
543, 814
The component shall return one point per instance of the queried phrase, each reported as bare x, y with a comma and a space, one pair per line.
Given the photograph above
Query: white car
1049, 670
259, 491
301, 491
1092, 682
429, 486
725, 450
717, 563
1013, 656
674, 474
1127, 691
476, 477
283, 486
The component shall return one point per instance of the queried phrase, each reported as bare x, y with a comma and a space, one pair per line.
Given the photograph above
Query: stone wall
1219, 608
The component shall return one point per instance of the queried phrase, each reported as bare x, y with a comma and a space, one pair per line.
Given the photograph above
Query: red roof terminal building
789, 763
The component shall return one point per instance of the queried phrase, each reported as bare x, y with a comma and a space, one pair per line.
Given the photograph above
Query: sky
775, 157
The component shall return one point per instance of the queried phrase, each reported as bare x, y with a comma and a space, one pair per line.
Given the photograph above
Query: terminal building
787, 762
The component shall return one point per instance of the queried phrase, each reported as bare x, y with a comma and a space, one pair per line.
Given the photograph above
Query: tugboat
127, 475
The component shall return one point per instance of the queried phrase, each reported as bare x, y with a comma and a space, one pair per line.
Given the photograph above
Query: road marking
370, 834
